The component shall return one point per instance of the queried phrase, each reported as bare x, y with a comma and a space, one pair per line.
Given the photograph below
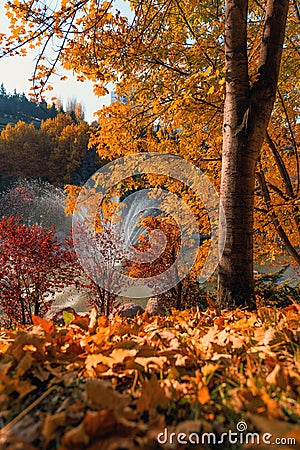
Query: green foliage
68, 317
272, 291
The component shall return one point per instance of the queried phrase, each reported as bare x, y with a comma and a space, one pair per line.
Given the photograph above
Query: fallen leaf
51, 423
101, 394
120, 354
277, 377
203, 395
68, 317
152, 396
24, 364
99, 424
273, 409
93, 320
76, 438
47, 325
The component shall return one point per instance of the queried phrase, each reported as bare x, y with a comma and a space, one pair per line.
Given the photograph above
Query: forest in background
44, 142
16, 106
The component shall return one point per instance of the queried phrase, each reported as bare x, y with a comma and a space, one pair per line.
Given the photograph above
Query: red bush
32, 265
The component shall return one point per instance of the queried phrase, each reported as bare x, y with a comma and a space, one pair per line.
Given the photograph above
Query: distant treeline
16, 106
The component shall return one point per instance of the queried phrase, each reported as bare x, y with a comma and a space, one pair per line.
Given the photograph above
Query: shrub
32, 266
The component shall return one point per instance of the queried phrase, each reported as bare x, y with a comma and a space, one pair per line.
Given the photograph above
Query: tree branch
292, 137
281, 233
281, 166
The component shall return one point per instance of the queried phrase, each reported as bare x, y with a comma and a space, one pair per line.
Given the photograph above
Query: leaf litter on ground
115, 384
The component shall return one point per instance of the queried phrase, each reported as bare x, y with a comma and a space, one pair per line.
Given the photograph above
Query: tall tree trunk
22, 309
179, 295
36, 306
246, 116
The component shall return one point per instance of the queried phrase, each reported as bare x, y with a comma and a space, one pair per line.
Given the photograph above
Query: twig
136, 376
23, 413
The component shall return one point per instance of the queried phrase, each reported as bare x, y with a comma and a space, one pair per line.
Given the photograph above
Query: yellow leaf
208, 70
68, 317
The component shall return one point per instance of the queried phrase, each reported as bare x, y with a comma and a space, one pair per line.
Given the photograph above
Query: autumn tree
32, 266
68, 143
183, 293
101, 255
56, 152
75, 109
23, 152
169, 63
247, 112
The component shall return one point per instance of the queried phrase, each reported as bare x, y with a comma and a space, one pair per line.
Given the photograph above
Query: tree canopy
56, 152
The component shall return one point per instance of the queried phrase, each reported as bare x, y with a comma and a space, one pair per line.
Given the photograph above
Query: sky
15, 72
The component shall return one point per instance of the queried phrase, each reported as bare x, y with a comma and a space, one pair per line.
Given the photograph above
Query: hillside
16, 106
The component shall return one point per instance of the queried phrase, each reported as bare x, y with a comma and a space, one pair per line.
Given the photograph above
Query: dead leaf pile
116, 384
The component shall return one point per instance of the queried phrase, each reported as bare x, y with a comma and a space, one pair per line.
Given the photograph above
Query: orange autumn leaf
99, 424
47, 325
203, 395
76, 438
152, 396
51, 423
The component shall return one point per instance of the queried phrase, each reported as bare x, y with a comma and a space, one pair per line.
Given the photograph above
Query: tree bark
22, 309
179, 295
247, 113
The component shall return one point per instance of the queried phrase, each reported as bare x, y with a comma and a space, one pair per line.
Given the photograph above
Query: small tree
32, 266
185, 292
102, 255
